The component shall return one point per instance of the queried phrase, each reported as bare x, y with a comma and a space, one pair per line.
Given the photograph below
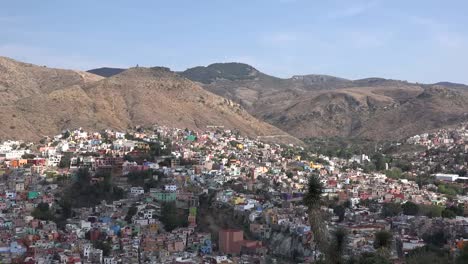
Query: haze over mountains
38, 101
323, 106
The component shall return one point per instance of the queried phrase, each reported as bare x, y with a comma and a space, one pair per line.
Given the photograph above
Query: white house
137, 191
448, 177
170, 187
15, 154
110, 260
10, 194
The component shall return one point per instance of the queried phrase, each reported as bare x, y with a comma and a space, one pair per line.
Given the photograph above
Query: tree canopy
382, 239
314, 193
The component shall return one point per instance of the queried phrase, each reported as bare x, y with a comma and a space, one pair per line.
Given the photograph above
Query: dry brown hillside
19, 80
324, 106
61, 99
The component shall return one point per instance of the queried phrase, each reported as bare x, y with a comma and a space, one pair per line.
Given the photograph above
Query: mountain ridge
109, 71
137, 96
316, 105
323, 106
39, 100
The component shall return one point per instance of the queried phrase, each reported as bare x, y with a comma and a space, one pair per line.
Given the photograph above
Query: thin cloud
280, 38
450, 40
364, 39
440, 33
427, 23
353, 11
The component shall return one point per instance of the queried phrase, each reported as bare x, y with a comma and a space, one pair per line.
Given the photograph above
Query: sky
419, 40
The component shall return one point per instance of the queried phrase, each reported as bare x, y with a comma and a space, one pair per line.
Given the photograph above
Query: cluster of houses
442, 137
445, 154
259, 186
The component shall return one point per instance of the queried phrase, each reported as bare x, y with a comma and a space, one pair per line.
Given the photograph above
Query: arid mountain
323, 106
106, 72
137, 96
19, 80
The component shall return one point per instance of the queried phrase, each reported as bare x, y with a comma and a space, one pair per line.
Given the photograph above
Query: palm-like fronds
314, 193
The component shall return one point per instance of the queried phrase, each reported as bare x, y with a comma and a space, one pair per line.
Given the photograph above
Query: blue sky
417, 40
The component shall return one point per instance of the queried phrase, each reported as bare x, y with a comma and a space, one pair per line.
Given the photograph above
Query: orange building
18, 163
461, 243
230, 241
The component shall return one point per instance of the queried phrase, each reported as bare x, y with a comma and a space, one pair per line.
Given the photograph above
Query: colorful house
163, 196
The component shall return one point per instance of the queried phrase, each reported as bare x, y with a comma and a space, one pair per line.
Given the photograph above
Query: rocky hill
324, 106
106, 72
19, 80
57, 99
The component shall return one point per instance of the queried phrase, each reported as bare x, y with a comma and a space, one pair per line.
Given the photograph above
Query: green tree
379, 161
312, 200
428, 254
66, 208
394, 173
447, 213
151, 184
337, 246
463, 257
105, 246
339, 210
391, 209
313, 196
171, 218
458, 210
410, 208
431, 210
382, 239
437, 238
130, 213
138, 178
83, 176
449, 189
370, 258
65, 160
66, 134
129, 136
81, 193
459, 159
404, 165
368, 167
42, 212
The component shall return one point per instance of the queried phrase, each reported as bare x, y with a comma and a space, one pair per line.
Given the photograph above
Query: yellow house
271, 215
315, 166
153, 228
238, 200
142, 145
240, 146
299, 186
262, 169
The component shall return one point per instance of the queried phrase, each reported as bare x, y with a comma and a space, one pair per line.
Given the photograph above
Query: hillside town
166, 195
444, 152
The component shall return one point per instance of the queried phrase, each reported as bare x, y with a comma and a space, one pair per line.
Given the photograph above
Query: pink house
364, 196
34, 223
175, 246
